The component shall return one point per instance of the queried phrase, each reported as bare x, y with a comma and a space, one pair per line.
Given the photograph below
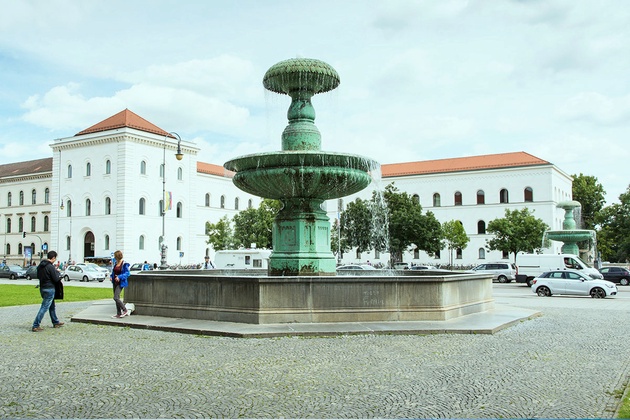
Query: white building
102, 190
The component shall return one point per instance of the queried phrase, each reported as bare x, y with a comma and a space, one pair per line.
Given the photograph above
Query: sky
420, 80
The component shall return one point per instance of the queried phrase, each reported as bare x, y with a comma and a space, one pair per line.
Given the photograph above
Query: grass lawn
15, 295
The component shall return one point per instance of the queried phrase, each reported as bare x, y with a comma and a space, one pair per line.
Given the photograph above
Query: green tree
590, 193
357, 226
220, 234
454, 237
613, 239
254, 226
518, 231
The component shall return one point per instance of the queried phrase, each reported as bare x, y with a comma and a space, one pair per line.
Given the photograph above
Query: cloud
597, 108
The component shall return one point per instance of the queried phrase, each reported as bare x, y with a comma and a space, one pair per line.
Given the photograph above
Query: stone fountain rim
370, 164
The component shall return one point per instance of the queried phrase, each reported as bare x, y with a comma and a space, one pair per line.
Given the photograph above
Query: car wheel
543, 291
598, 293
66, 278
502, 279
529, 282
28, 277
85, 278
624, 281
12, 277
100, 281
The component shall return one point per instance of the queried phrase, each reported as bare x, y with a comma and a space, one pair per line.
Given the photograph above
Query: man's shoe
116, 316
126, 313
38, 329
59, 324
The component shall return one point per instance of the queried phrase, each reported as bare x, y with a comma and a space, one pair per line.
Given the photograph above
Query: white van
533, 265
242, 258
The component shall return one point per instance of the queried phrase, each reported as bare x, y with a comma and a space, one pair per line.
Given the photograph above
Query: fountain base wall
272, 300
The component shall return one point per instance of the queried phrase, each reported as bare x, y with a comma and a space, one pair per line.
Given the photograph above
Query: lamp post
179, 155
61, 207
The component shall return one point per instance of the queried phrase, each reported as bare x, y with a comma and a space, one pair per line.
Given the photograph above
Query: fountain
301, 176
569, 235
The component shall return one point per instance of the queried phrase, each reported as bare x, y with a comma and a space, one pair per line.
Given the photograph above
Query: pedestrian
146, 266
48, 279
120, 273
207, 265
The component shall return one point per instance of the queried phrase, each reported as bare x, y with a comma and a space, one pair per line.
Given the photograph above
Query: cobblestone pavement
571, 362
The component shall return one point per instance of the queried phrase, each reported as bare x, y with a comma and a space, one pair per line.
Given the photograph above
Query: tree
518, 231
220, 234
613, 239
590, 193
357, 226
254, 226
454, 237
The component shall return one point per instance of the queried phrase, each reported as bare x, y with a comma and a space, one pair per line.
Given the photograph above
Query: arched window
416, 253
108, 167
458, 198
528, 195
180, 210
358, 254
9, 199
8, 249
46, 224
482, 254
88, 207
34, 196
33, 224
436, 200
250, 203
236, 203
222, 201
143, 168
21, 198
415, 199
8, 225
458, 254
180, 174
88, 169
20, 224
69, 209
207, 199
67, 243
481, 197
141, 204
108, 205
106, 241
141, 242
481, 227
506, 255
69, 171
47, 196
179, 243
20, 252
503, 196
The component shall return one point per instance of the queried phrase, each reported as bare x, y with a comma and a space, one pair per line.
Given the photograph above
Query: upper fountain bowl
301, 74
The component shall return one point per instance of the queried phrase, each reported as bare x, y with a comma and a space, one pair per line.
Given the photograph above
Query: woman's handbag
59, 290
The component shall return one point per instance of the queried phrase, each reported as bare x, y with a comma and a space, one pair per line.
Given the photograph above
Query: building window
69, 171
20, 225
506, 255
250, 203
236, 203
416, 253
141, 206
106, 241
141, 242
529, 195
20, 252
9, 225
207, 200
458, 254
482, 254
180, 210
143, 168
108, 205
458, 198
46, 224
481, 227
8, 249
436, 200
503, 196
481, 197
437, 254
416, 199
69, 208
222, 201
358, 254
33, 197
108, 167
21, 198
33, 224
67, 243
88, 169
88, 207
9, 199
180, 174
47, 196
179, 243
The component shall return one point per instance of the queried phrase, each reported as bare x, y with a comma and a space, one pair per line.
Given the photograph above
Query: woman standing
120, 273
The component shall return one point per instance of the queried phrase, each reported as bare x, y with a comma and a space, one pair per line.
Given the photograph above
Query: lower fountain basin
574, 235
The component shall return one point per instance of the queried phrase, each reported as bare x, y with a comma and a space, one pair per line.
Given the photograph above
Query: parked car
572, 282
422, 267
31, 272
96, 267
503, 272
356, 267
619, 275
12, 271
83, 273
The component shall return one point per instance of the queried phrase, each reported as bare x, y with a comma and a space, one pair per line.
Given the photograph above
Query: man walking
48, 278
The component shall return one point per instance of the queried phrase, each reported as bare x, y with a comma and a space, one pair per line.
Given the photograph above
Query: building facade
105, 189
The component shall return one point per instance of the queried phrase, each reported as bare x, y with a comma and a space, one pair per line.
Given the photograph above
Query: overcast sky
420, 80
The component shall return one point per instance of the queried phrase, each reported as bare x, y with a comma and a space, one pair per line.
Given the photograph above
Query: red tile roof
470, 163
211, 169
125, 118
26, 168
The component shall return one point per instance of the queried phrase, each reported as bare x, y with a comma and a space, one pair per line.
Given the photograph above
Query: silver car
503, 272
572, 282
83, 273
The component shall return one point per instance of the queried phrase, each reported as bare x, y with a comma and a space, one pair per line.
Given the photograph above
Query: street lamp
179, 155
61, 207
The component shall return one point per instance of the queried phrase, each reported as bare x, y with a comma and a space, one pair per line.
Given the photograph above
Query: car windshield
88, 268
15, 267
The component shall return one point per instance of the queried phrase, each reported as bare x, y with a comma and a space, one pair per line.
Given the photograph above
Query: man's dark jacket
47, 275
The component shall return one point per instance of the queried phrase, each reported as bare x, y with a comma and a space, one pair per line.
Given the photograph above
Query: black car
31, 272
616, 275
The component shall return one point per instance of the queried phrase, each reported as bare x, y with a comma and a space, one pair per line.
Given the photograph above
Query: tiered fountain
569, 235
